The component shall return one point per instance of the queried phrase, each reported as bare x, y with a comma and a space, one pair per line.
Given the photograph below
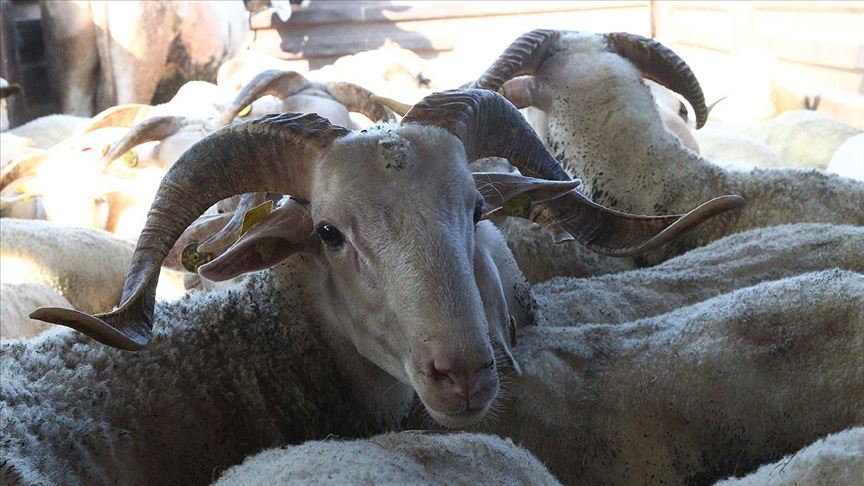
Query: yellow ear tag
130, 158
254, 215
519, 205
191, 259
245, 111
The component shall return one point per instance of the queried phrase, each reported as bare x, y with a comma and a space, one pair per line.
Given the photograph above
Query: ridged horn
660, 64
524, 56
397, 107
22, 167
153, 129
360, 100
280, 84
274, 153
490, 126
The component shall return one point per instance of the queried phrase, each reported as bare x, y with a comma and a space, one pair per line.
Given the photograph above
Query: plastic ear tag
191, 259
254, 215
518, 205
245, 111
130, 158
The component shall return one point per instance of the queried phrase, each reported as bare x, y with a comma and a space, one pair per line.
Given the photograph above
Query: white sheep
835, 459
49, 130
848, 160
85, 266
696, 394
803, 138
721, 266
17, 301
611, 136
410, 457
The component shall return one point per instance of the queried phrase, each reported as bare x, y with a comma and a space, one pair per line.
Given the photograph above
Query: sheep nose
466, 382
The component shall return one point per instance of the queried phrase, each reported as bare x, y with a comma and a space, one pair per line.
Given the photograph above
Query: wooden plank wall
743, 50
322, 30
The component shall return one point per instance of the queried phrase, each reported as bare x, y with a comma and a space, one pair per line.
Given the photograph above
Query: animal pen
432, 242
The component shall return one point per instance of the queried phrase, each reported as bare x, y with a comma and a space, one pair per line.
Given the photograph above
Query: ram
17, 301
612, 136
409, 290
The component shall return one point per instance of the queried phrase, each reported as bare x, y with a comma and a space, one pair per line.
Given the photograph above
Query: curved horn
274, 153
659, 63
153, 129
359, 99
523, 56
125, 116
397, 107
489, 126
280, 84
22, 167
10, 90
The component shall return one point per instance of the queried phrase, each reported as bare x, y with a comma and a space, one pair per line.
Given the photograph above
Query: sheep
85, 266
835, 459
104, 54
803, 138
723, 265
409, 457
431, 152
612, 136
47, 131
17, 301
696, 394
228, 374
13, 147
848, 160
732, 149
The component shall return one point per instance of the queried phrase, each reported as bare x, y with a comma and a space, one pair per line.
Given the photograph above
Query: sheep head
390, 213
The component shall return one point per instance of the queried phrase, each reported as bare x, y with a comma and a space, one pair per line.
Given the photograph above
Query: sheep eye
330, 235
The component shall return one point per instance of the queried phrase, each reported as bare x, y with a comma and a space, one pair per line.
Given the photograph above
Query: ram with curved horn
390, 220
603, 125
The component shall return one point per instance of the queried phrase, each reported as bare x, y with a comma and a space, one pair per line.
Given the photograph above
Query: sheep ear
514, 194
281, 233
525, 91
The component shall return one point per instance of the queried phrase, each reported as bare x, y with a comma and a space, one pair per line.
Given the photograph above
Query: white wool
695, 394
848, 160
722, 266
50, 130
411, 457
835, 459
85, 266
17, 301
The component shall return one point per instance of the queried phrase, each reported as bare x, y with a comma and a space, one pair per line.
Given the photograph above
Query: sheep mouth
465, 418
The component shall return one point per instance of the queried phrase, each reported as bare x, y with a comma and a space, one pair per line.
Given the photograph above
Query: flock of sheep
325, 280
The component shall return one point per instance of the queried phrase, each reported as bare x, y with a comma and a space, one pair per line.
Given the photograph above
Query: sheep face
392, 222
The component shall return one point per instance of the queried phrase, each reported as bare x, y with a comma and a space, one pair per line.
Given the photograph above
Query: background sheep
17, 301
836, 459
848, 160
722, 266
696, 394
87, 267
611, 136
410, 457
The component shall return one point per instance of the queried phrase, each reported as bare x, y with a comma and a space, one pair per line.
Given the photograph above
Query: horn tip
92, 326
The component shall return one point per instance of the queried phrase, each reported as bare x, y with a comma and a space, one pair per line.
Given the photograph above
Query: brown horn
280, 84
12, 89
660, 64
523, 56
274, 153
153, 129
490, 126
360, 100
22, 167
125, 116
